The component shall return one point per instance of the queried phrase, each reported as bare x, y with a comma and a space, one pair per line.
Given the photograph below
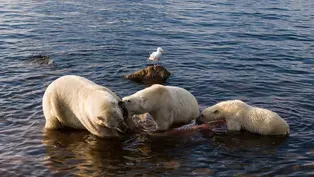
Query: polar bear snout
118, 124
121, 104
131, 106
122, 127
113, 119
200, 119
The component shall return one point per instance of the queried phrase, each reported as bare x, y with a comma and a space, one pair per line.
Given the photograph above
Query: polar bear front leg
161, 125
233, 125
52, 123
163, 121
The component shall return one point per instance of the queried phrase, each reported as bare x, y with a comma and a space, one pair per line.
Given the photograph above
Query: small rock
40, 59
202, 171
150, 75
172, 164
141, 123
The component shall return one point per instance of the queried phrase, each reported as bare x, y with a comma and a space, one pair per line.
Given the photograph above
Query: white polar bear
73, 101
167, 105
239, 115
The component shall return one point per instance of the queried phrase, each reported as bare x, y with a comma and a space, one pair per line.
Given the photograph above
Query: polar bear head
212, 113
109, 114
222, 111
146, 100
134, 104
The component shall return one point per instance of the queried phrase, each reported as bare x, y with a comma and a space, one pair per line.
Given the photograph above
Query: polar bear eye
216, 111
129, 101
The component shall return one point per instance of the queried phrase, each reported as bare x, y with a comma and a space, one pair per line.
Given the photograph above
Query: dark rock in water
141, 123
150, 75
40, 59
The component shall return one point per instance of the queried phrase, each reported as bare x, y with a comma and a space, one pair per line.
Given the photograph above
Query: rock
202, 171
172, 164
150, 75
40, 59
141, 123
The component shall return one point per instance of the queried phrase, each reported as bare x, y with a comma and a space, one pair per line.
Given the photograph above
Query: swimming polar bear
167, 105
240, 115
73, 101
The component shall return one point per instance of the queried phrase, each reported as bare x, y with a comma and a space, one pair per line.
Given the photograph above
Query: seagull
155, 56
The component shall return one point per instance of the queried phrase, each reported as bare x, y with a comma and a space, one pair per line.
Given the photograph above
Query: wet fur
73, 101
167, 105
240, 115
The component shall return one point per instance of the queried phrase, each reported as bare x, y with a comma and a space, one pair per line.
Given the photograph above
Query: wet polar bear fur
239, 115
73, 101
167, 105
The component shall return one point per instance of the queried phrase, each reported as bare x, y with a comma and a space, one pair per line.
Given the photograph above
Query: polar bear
167, 105
73, 101
239, 115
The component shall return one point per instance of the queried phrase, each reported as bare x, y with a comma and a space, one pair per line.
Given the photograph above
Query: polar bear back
83, 84
265, 122
185, 104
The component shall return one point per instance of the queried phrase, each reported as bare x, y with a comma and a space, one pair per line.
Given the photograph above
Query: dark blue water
259, 51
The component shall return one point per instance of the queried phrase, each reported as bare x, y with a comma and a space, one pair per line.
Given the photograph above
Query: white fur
240, 115
73, 101
167, 105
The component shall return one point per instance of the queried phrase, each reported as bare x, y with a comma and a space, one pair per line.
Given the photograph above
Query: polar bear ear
216, 111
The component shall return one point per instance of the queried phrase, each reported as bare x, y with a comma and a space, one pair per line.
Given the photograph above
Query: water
260, 52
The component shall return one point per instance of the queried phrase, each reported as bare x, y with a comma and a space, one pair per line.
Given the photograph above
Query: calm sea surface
259, 51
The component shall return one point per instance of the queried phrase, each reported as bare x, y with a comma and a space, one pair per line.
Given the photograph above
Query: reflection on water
83, 154
239, 141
